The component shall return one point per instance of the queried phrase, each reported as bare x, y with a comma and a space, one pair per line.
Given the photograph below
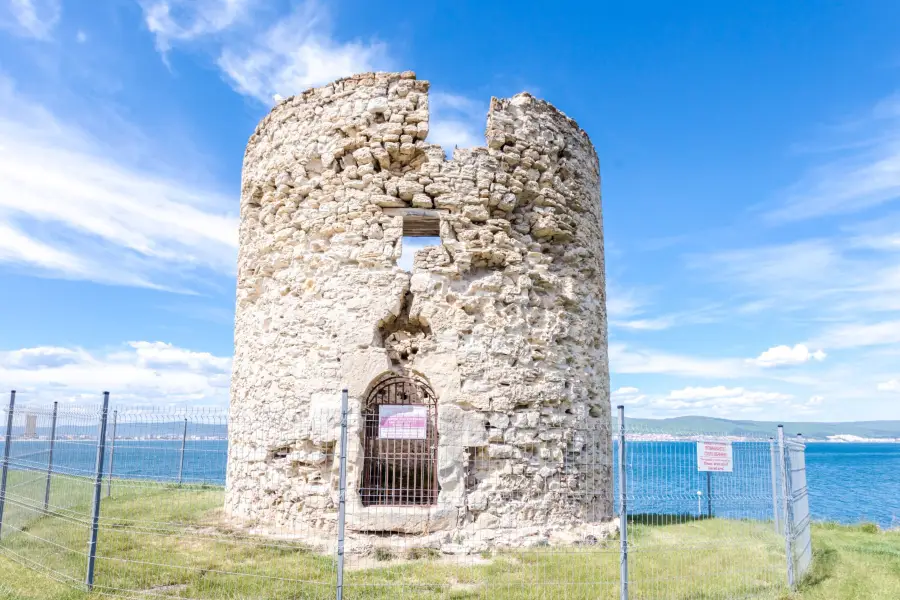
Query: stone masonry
505, 320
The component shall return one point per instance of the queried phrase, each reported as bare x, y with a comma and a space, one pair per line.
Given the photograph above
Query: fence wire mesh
495, 511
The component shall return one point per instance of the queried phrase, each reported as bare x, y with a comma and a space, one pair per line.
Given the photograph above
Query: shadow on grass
824, 561
662, 520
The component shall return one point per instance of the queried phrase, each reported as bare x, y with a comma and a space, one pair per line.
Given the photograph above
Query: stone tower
478, 383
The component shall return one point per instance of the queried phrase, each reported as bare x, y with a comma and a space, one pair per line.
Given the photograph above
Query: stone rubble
505, 320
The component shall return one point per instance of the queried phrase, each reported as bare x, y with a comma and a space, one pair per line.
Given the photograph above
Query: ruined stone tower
478, 383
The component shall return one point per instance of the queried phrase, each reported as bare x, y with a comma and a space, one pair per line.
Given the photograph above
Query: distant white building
30, 426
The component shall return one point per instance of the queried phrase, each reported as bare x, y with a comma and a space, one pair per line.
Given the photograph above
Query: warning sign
402, 422
715, 456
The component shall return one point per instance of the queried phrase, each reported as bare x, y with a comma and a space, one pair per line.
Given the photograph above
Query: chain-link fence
134, 503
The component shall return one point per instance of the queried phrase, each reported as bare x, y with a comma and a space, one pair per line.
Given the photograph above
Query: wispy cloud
861, 169
717, 401
784, 269
273, 58
623, 303
30, 18
184, 20
18, 248
69, 207
630, 360
139, 373
628, 396
889, 386
456, 121
778, 356
297, 52
859, 335
840, 276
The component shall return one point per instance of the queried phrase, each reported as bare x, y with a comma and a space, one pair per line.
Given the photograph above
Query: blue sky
750, 159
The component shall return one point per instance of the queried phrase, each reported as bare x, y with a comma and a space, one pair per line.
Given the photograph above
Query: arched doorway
400, 444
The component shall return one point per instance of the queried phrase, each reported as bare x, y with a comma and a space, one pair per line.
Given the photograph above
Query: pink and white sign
402, 422
715, 456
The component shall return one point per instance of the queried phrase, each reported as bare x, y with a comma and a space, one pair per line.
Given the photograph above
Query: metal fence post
112, 454
708, 495
342, 497
775, 510
181, 459
50, 456
623, 506
98, 489
7, 446
786, 492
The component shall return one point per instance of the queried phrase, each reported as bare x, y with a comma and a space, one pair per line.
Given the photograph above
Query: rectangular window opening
411, 245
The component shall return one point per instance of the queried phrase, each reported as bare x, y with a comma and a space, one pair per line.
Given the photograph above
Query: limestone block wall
505, 320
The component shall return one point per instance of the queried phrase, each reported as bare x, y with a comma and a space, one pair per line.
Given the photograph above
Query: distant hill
168, 429
673, 426
711, 425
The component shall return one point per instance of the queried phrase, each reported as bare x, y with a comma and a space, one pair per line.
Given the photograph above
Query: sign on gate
715, 456
402, 421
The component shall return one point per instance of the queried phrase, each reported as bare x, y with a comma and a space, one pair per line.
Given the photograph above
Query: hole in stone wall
402, 336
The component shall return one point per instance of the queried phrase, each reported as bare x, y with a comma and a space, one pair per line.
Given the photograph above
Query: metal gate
400, 444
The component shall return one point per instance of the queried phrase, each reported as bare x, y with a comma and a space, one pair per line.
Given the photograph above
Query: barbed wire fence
128, 502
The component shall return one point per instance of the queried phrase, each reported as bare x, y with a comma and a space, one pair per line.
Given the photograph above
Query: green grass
142, 550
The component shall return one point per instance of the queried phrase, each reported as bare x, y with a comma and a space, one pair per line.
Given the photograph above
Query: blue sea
847, 482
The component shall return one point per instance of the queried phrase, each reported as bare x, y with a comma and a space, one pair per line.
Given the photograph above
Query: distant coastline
698, 437
811, 431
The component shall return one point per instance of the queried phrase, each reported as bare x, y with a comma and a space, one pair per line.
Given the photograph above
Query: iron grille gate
399, 464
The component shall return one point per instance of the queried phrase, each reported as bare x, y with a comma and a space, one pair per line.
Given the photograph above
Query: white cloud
81, 37
185, 20
294, 54
786, 355
622, 303
862, 171
70, 208
889, 386
18, 248
627, 396
840, 277
456, 121
625, 391
31, 18
453, 133
141, 373
858, 335
42, 357
718, 400
627, 360
160, 355
794, 272
654, 324
298, 51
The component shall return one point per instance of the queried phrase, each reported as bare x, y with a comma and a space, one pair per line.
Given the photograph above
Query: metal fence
129, 503
796, 505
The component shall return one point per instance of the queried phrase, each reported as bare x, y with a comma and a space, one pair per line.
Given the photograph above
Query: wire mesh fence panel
478, 505
164, 531
801, 543
436, 502
701, 512
46, 517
